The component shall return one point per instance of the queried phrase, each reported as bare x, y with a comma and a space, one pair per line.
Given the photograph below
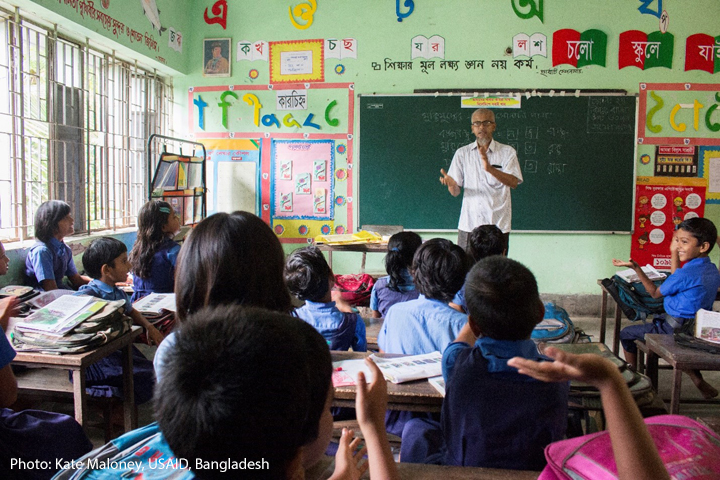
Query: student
688, 289
428, 324
309, 277
483, 241
106, 261
492, 416
154, 254
398, 285
635, 453
228, 258
30, 435
242, 398
49, 260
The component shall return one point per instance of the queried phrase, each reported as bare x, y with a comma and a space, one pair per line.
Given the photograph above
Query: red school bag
355, 288
688, 449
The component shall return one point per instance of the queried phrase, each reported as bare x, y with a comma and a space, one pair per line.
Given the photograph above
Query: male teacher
487, 170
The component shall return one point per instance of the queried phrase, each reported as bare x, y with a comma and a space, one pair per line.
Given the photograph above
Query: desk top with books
416, 395
362, 241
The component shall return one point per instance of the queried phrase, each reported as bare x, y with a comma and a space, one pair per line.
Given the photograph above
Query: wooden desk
679, 358
39, 379
417, 396
603, 320
364, 248
415, 471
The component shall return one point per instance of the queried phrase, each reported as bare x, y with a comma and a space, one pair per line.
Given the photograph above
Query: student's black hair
401, 250
153, 216
484, 241
439, 269
102, 251
502, 298
702, 229
47, 217
231, 258
307, 273
229, 393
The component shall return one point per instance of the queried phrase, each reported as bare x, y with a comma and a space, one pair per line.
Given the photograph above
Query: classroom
369, 100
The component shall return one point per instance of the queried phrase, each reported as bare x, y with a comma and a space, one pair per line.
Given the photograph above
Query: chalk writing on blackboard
606, 115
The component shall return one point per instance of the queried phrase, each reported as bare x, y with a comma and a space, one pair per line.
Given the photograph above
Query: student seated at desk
50, 260
309, 277
154, 254
492, 416
428, 324
30, 435
398, 286
227, 258
483, 241
688, 289
105, 260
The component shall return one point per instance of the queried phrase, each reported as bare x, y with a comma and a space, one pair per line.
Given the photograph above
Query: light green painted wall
89, 18
563, 263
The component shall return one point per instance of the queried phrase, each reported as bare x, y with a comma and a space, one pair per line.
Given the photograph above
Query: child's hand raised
588, 368
371, 399
349, 457
630, 263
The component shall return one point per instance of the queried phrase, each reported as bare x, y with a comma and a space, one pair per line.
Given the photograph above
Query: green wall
473, 30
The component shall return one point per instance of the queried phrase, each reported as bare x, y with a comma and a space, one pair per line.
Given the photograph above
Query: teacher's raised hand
449, 182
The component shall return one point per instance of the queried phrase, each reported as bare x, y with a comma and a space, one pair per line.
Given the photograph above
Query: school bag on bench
633, 299
355, 288
556, 327
688, 449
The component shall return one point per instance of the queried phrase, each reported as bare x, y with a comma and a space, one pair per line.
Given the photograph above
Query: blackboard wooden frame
579, 168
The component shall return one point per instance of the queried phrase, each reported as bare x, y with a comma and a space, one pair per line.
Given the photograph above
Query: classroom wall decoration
345, 48
526, 9
702, 52
646, 7
710, 171
297, 61
529, 45
676, 161
660, 206
579, 49
298, 136
302, 15
638, 49
219, 10
409, 4
424, 47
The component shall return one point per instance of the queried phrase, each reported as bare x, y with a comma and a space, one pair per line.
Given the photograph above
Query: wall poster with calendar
661, 204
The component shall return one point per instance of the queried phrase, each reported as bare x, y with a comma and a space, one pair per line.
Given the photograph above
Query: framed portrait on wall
216, 57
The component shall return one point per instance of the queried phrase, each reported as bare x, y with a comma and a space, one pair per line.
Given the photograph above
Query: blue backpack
634, 299
556, 326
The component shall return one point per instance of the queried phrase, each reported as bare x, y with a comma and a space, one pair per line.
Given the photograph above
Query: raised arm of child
371, 404
635, 453
153, 333
651, 288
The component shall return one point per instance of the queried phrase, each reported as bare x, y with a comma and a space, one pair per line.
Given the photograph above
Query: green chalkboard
576, 155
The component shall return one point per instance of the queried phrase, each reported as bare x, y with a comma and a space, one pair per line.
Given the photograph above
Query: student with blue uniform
428, 324
398, 286
483, 241
492, 416
154, 254
688, 289
50, 260
309, 277
105, 260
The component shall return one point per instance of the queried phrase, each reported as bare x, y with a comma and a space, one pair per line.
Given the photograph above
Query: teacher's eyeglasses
485, 123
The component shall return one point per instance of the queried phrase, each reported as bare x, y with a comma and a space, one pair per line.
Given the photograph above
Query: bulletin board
302, 146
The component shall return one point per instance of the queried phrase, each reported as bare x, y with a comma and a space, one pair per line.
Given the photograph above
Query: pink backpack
355, 288
688, 449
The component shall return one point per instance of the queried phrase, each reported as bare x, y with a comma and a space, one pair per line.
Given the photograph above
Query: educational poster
232, 175
710, 171
660, 205
307, 193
